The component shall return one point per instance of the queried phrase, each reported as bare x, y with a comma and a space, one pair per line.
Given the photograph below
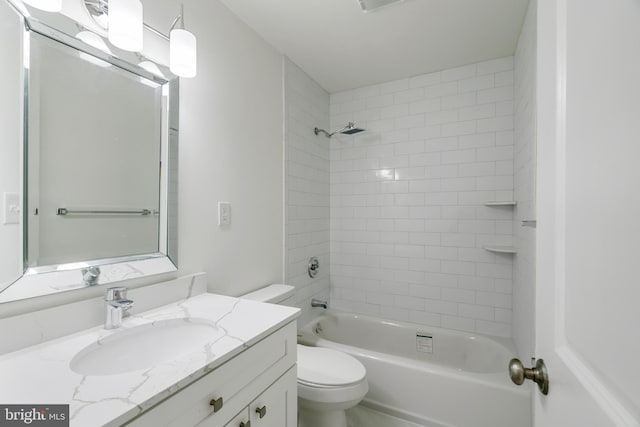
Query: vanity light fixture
46, 5
182, 48
125, 24
126, 17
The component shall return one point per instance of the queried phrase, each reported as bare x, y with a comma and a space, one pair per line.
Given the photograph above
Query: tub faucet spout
318, 303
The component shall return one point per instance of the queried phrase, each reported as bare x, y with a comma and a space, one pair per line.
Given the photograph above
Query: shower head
349, 129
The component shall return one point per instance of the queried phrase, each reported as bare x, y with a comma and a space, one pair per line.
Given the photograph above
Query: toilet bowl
329, 381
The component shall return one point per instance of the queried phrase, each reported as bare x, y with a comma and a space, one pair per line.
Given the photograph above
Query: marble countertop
41, 374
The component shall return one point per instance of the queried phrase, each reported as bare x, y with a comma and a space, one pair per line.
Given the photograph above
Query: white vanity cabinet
259, 381
276, 407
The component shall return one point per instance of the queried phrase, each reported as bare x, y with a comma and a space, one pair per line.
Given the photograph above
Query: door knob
519, 373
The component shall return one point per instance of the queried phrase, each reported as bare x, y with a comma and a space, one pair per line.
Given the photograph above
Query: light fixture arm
100, 6
179, 19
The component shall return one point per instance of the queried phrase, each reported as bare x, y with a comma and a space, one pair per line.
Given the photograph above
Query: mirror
95, 200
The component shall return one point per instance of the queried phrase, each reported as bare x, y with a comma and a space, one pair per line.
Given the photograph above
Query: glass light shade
125, 24
96, 41
46, 5
182, 53
152, 68
92, 39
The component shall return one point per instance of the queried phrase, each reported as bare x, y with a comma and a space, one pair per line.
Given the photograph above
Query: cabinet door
240, 420
278, 405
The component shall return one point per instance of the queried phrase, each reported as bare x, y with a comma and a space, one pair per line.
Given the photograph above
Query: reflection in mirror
93, 158
99, 175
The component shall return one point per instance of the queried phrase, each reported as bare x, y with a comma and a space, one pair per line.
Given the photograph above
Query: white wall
524, 265
11, 125
407, 216
231, 149
231, 141
306, 187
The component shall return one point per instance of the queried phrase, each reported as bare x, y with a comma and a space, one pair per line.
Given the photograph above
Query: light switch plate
11, 208
224, 213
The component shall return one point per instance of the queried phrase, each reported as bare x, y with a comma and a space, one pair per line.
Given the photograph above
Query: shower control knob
519, 373
313, 267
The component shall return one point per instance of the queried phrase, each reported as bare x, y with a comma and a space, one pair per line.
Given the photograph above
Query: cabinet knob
247, 424
262, 411
216, 403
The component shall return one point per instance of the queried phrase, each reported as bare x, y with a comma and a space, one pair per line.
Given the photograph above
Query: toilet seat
326, 368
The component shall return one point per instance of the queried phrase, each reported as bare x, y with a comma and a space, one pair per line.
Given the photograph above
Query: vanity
89, 175
206, 360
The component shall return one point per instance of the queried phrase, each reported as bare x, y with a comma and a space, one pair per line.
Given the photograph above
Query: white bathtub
430, 376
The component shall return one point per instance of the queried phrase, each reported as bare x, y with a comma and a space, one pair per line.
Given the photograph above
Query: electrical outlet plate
224, 214
11, 209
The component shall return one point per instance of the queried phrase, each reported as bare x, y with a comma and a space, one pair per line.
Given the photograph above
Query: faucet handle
90, 275
124, 304
116, 293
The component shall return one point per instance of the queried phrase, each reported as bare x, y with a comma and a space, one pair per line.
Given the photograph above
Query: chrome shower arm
347, 127
318, 130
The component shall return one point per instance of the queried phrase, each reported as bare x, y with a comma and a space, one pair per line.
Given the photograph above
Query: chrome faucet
116, 306
318, 303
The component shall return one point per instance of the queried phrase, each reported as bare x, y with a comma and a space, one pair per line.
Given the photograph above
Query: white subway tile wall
306, 187
408, 220
524, 266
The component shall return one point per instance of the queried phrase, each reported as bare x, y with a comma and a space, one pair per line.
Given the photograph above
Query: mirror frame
49, 279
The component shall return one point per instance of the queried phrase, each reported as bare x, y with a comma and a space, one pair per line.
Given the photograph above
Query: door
588, 229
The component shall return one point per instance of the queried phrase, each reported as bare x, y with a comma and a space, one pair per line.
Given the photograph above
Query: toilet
329, 381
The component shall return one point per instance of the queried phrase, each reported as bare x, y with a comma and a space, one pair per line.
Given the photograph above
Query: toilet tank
275, 294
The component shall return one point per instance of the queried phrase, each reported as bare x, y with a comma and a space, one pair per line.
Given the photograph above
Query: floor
362, 416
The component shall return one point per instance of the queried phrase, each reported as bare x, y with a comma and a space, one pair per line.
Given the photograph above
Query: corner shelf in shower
501, 249
497, 248
501, 203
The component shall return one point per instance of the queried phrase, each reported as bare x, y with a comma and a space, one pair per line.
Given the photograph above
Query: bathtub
429, 376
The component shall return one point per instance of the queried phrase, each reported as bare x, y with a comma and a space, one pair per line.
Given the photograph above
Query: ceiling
341, 47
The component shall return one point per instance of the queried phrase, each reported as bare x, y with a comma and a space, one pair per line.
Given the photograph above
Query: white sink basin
142, 347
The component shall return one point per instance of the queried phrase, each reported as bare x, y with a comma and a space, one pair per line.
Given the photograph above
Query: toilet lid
327, 367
